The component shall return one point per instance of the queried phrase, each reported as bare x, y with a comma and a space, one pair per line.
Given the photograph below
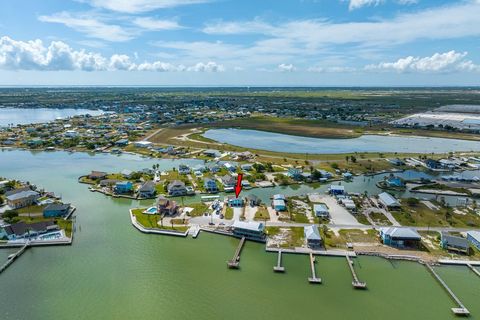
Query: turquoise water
277, 142
38, 115
112, 271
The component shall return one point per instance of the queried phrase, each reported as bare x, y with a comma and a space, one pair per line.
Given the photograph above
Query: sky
240, 42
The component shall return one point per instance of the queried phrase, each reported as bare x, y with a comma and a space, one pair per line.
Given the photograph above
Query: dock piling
313, 278
278, 267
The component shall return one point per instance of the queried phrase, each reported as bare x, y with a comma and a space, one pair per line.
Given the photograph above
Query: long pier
278, 267
13, 257
473, 269
460, 310
357, 284
235, 262
313, 278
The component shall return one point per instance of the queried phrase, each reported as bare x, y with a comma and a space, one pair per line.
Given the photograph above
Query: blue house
56, 210
394, 181
278, 203
235, 202
474, 238
294, 173
123, 187
400, 237
336, 190
210, 185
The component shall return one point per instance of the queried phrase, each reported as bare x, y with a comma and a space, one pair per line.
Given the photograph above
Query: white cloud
138, 6
33, 55
355, 4
336, 69
286, 67
438, 62
89, 25
207, 67
429, 24
151, 24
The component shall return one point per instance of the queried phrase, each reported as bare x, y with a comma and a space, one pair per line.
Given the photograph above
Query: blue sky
227, 42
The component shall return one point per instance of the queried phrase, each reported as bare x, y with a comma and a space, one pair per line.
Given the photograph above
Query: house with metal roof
388, 201
400, 237
321, 210
474, 238
336, 189
312, 236
56, 210
147, 190
454, 243
249, 229
22, 199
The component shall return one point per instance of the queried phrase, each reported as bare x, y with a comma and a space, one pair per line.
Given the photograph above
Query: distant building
228, 181
212, 153
97, 175
121, 142
396, 162
250, 230
336, 190
22, 199
127, 173
400, 237
56, 210
388, 201
474, 238
147, 190
183, 169
210, 185
312, 235
176, 188
394, 182
295, 173
142, 144
321, 210
123, 187
454, 243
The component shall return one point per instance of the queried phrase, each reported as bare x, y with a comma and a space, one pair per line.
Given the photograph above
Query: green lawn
229, 213
294, 236
199, 208
151, 221
380, 219
262, 214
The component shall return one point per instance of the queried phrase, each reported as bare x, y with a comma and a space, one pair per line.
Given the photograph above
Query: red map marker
238, 187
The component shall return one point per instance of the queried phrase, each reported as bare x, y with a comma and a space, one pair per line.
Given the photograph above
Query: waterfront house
176, 188
56, 210
396, 162
166, 206
123, 187
394, 182
454, 243
121, 142
183, 169
321, 210
210, 185
127, 173
336, 190
246, 167
279, 205
246, 155
400, 237
230, 167
347, 176
251, 230
213, 167
253, 200
433, 164
22, 199
21, 230
199, 168
325, 174
147, 190
97, 175
294, 173
3, 185
212, 153
312, 236
108, 182
235, 202
474, 238
228, 181
142, 144
388, 201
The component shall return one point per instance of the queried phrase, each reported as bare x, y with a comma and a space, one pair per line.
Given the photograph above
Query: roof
57, 207
147, 186
474, 234
20, 228
11, 192
337, 187
22, 195
388, 199
320, 207
248, 225
278, 202
176, 183
311, 233
401, 233
97, 174
455, 241
278, 197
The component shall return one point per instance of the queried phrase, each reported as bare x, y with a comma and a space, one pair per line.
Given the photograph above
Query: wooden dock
235, 262
313, 278
473, 269
357, 284
460, 310
278, 267
13, 257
